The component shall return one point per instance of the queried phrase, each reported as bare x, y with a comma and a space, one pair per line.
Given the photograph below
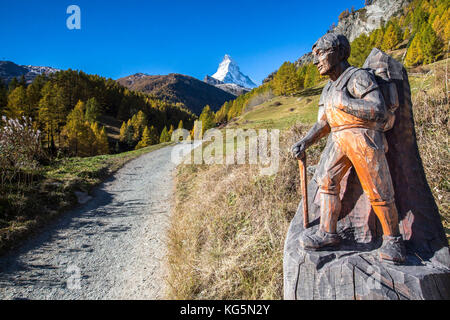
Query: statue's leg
335, 166
366, 152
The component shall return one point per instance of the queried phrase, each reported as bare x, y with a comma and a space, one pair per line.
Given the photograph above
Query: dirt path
110, 248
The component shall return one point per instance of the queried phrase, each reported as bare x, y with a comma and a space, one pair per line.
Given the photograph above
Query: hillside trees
221, 114
165, 137
146, 140
3, 95
360, 49
17, 103
78, 133
93, 110
51, 114
49, 100
286, 81
84, 138
426, 47
391, 37
312, 76
207, 119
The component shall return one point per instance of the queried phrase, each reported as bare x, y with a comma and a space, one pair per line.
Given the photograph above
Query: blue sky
119, 38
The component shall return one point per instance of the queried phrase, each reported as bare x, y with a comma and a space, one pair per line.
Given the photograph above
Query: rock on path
112, 247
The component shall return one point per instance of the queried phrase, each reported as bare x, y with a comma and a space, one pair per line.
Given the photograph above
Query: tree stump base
351, 273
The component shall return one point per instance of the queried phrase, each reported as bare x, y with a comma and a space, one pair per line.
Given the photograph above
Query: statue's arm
319, 130
371, 107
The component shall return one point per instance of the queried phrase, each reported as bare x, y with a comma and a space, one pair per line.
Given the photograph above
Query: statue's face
325, 59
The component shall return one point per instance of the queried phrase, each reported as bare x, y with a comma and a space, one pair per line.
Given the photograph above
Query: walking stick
303, 182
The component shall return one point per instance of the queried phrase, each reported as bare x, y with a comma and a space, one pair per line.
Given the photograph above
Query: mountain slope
364, 20
228, 87
191, 92
10, 70
229, 72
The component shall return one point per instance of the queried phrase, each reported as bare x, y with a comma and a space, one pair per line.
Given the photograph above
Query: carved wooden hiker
369, 168
356, 126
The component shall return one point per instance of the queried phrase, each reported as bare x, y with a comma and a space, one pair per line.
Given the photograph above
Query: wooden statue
369, 168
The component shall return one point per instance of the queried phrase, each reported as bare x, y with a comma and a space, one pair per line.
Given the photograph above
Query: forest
65, 109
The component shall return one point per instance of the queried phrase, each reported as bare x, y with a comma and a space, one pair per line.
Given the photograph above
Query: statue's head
329, 51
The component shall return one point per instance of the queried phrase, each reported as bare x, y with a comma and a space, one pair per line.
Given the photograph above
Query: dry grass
229, 225
431, 115
228, 230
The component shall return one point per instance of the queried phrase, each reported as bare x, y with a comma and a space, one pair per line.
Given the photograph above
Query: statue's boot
393, 247
326, 236
319, 240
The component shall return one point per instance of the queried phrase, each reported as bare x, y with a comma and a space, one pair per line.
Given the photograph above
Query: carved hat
336, 41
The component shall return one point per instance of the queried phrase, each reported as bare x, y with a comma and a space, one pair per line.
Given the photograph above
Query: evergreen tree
92, 110
391, 38
34, 95
102, 142
14, 83
221, 114
3, 96
360, 50
123, 130
22, 81
154, 137
432, 47
376, 38
171, 130
286, 81
139, 122
207, 118
312, 76
414, 54
47, 115
406, 33
146, 139
164, 136
17, 103
79, 135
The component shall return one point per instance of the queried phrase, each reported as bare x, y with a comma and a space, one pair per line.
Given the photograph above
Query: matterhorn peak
229, 72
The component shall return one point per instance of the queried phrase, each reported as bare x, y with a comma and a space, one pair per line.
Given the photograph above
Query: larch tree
414, 54
17, 103
123, 130
164, 136
286, 80
102, 142
431, 44
93, 110
146, 139
391, 37
207, 119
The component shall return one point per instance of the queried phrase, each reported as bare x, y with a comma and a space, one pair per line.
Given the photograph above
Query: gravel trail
112, 247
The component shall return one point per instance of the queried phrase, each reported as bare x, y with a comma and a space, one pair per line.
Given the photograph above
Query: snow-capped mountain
229, 72
232, 88
10, 70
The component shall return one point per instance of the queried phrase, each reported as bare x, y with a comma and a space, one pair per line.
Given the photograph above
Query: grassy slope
52, 193
226, 239
282, 112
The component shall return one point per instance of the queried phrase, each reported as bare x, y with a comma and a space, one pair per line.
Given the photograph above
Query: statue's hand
298, 149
